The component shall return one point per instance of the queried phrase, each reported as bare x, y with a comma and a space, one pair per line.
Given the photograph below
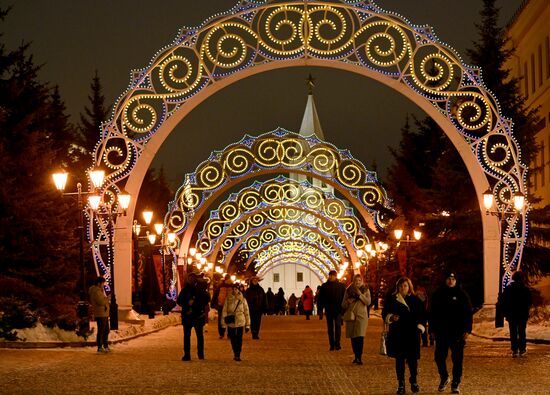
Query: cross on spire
310, 82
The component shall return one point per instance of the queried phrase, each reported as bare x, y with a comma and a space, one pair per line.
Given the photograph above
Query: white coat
237, 305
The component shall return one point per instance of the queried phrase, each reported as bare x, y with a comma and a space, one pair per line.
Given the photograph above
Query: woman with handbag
356, 300
405, 315
236, 318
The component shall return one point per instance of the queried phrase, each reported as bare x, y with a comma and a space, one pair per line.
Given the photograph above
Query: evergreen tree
154, 195
92, 119
431, 186
491, 52
37, 237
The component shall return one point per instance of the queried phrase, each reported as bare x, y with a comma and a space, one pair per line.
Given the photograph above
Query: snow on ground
40, 333
484, 326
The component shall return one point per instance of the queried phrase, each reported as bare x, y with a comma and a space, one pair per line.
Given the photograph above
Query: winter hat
450, 273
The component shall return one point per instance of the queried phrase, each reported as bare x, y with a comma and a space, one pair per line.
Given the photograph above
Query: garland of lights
306, 260
358, 33
282, 151
298, 252
289, 230
289, 195
294, 246
281, 232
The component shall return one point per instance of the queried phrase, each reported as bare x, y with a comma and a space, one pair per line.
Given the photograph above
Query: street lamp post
417, 235
105, 209
167, 239
60, 181
136, 231
377, 250
489, 202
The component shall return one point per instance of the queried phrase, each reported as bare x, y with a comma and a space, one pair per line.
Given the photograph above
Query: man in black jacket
255, 297
331, 296
193, 300
451, 322
516, 302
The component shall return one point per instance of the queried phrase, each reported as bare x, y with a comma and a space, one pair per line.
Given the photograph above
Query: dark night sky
75, 37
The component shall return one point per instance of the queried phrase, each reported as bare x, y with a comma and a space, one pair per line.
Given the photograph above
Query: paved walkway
292, 357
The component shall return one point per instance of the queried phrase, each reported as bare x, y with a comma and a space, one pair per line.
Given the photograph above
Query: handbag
230, 319
383, 338
349, 315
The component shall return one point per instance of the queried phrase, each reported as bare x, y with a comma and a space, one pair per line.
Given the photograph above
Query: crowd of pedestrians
408, 318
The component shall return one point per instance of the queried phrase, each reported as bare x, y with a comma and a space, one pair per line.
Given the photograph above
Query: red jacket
307, 299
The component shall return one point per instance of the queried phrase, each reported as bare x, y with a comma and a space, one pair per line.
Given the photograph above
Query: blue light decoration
358, 34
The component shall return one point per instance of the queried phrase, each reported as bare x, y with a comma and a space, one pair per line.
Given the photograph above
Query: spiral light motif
358, 34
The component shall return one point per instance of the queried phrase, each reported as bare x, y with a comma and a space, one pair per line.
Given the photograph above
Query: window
542, 165
276, 277
540, 65
526, 79
300, 277
533, 73
535, 172
547, 57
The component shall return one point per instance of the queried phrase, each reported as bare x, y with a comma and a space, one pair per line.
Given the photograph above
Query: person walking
270, 300
193, 299
331, 297
218, 300
516, 301
356, 301
100, 305
450, 322
292, 300
236, 318
316, 301
405, 316
307, 301
255, 297
280, 302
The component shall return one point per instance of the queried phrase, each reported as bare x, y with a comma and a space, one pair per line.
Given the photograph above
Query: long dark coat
404, 334
255, 296
516, 301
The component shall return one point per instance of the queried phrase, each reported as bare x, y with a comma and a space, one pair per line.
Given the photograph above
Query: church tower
311, 126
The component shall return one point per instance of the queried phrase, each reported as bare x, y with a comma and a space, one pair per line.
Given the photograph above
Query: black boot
400, 387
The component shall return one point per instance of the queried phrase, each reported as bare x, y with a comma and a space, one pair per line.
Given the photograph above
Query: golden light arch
356, 36
271, 216
291, 247
269, 234
288, 230
278, 192
300, 246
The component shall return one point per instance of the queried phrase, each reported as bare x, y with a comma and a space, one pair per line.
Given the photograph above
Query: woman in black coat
405, 315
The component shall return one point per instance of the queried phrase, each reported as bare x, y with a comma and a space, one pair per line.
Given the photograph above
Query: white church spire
310, 121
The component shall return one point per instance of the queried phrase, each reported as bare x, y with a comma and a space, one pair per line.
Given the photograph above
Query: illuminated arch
279, 151
263, 215
281, 232
291, 247
291, 231
305, 246
280, 192
356, 36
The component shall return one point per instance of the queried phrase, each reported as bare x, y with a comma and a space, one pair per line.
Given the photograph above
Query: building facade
529, 33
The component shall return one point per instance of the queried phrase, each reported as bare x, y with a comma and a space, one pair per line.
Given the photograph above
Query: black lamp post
167, 239
417, 235
110, 213
82, 310
136, 231
519, 204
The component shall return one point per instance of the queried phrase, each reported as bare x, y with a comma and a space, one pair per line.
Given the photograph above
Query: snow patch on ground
40, 333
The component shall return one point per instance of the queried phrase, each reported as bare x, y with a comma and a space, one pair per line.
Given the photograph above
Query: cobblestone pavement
292, 357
